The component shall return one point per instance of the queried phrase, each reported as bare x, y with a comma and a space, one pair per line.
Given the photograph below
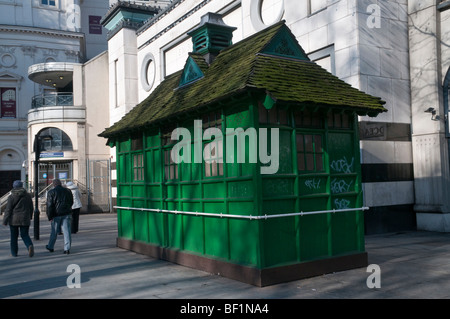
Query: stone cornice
161, 15
42, 31
444, 5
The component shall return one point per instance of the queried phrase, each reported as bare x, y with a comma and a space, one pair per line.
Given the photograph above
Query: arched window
60, 141
446, 103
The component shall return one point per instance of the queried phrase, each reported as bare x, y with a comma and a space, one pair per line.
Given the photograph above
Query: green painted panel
141, 226
138, 190
343, 159
119, 223
314, 236
241, 208
310, 185
314, 230
343, 184
185, 171
152, 141
191, 191
244, 242
153, 191
285, 153
149, 166
157, 177
273, 187
344, 229
174, 227
172, 191
156, 228
196, 171
241, 189
232, 169
239, 119
124, 146
279, 234
127, 224
244, 234
193, 233
125, 190
214, 190
216, 232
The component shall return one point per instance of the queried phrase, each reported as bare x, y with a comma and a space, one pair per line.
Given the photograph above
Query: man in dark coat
59, 212
18, 214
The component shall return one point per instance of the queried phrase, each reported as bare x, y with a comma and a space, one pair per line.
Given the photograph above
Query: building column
430, 145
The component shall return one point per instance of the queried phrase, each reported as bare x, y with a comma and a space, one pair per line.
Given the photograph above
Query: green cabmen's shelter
262, 180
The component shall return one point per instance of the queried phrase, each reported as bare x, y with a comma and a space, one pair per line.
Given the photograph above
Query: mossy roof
241, 67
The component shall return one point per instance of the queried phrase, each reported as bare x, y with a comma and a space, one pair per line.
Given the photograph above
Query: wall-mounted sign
8, 102
51, 154
94, 25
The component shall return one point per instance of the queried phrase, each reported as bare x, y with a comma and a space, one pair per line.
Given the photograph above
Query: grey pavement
413, 265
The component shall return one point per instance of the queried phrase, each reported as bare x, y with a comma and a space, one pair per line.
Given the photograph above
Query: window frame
213, 167
49, 3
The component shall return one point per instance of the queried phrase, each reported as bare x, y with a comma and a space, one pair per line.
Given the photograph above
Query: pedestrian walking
76, 206
18, 214
59, 212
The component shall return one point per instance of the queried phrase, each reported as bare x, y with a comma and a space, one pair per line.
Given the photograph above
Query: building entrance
48, 171
6, 180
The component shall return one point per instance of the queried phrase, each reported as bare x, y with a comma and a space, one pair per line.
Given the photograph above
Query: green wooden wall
319, 169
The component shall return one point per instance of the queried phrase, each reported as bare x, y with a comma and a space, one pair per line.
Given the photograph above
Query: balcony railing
54, 99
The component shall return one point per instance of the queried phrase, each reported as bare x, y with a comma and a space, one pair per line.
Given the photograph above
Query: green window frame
274, 116
310, 152
170, 167
138, 167
213, 165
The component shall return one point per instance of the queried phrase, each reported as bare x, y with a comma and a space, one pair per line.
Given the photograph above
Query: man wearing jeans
59, 212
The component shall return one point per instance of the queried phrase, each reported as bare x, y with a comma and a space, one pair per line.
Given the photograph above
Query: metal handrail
176, 212
52, 99
4, 198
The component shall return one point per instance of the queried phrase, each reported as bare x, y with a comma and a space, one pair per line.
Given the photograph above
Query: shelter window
170, 167
212, 120
275, 115
138, 167
310, 154
339, 121
136, 144
214, 158
308, 119
213, 150
166, 136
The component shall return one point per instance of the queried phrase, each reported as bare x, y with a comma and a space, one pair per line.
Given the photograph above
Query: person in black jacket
59, 212
18, 214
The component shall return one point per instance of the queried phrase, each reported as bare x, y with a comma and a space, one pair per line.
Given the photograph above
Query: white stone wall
363, 44
429, 54
32, 33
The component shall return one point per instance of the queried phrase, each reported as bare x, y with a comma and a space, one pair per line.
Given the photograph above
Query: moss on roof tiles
237, 68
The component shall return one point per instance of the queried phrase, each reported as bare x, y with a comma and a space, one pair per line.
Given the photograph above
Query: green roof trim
284, 44
191, 72
241, 68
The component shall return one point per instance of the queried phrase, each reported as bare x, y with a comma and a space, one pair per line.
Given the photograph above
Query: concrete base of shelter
246, 274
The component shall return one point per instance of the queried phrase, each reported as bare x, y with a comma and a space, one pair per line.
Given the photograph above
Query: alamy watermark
374, 279
74, 279
258, 142
374, 19
73, 20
